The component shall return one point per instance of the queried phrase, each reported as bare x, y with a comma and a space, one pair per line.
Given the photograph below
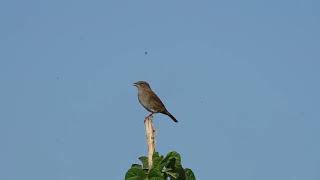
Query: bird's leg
148, 117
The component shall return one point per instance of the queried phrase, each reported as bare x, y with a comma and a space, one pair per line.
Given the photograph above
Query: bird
150, 101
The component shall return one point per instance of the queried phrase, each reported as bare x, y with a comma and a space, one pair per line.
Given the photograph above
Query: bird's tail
172, 117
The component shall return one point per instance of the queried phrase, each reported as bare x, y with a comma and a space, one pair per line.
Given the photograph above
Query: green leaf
157, 159
136, 166
155, 174
189, 174
166, 169
172, 174
135, 173
171, 163
162, 169
144, 161
181, 173
172, 159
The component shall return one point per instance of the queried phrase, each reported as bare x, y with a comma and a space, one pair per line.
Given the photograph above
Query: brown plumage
150, 101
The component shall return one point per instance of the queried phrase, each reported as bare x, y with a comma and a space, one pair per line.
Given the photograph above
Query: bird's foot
147, 117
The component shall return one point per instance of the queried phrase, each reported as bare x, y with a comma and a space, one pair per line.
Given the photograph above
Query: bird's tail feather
170, 115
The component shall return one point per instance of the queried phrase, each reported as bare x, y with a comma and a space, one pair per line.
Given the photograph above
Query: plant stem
150, 139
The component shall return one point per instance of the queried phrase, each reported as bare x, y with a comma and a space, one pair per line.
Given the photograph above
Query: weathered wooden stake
150, 133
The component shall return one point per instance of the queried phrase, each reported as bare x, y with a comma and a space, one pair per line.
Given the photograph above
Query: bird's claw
147, 117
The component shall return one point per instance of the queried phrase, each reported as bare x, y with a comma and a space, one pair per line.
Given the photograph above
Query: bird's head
141, 84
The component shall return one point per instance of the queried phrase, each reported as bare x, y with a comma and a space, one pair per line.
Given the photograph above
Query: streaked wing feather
155, 103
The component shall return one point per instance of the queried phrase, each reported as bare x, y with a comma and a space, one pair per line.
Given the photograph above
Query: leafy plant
163, 168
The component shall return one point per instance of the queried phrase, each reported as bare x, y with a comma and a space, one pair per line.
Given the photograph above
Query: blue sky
242, 78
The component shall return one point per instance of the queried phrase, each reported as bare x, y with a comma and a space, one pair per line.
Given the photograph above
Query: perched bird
150, 101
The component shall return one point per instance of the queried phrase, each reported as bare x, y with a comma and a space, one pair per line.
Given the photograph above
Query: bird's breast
145, 100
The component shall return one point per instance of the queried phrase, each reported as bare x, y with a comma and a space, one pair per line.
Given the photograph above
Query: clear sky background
242, 78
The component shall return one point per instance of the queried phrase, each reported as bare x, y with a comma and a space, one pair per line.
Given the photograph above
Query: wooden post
150, 139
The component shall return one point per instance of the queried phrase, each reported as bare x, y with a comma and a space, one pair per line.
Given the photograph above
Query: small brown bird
150, 101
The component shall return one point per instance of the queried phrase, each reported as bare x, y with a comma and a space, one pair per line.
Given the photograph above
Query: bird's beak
134, 84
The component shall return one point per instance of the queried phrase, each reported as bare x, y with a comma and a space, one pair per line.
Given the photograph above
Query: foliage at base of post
163, 168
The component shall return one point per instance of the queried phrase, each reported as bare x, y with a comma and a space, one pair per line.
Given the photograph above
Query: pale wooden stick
150, 139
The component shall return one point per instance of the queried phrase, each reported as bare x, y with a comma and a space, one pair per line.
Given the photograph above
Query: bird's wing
155, 103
